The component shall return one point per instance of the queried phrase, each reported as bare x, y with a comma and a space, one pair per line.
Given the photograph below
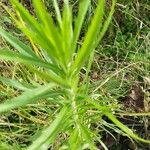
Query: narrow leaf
14, 56
58, 15
50, 76
87, 136
75, 141
30, 21
106, 23
83, 7
17, 44
67, 31
50, 31
90, 37
125, 128
26, 98
30, 26
50, 133
16, 84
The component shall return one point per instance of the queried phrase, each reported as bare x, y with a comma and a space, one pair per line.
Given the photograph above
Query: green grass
52, 101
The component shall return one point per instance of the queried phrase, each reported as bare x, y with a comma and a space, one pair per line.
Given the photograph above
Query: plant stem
75, 111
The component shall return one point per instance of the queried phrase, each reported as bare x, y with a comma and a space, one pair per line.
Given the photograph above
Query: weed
54, 60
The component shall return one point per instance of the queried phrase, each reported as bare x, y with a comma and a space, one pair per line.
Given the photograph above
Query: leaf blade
16, 84
20, 46
26, 98
6, 54
50, 132
12, 56
90, 37
125, 128
83, 7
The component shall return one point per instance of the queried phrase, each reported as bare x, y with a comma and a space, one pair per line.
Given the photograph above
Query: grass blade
46, 22
75, 141
87, 136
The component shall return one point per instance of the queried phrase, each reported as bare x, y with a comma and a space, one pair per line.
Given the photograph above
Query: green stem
75, 111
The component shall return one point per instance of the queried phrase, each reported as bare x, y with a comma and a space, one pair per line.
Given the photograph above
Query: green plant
54, 56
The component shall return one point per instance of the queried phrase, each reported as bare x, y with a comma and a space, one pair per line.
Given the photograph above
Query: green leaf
106, 23
46, 22
17, 44
75, 141
14, 56
67, 31
16, 84
26, 98
58, 15
42, 42
30, 21
124, 128
87, 135
90, 38
49, 76
83, 7
49, 134
29, 25
51, 31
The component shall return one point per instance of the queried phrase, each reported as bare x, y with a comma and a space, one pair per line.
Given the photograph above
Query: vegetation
62, 86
